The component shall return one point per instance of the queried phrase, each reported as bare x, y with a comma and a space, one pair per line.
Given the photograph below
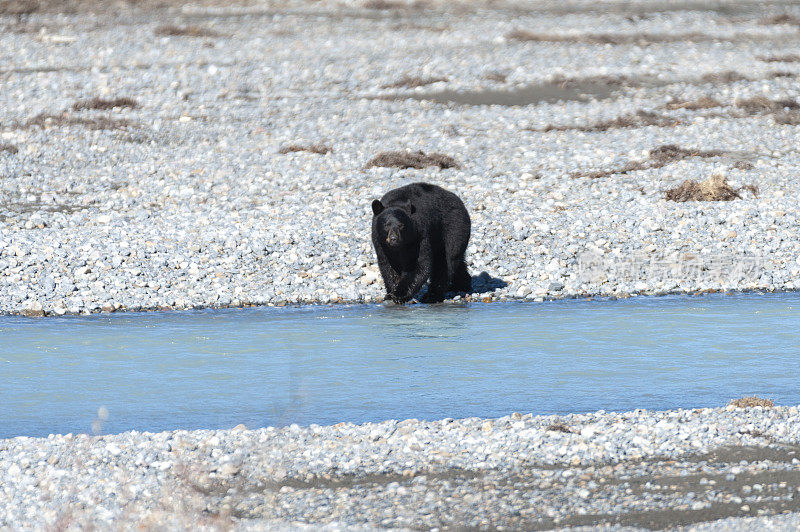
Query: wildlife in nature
420, 232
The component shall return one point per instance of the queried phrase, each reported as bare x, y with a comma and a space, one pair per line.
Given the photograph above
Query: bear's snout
393, 238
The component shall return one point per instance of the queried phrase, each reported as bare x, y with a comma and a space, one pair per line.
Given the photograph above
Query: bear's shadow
481, 284
484, 282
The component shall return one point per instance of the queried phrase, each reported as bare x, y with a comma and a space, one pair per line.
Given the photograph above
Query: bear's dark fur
420, 232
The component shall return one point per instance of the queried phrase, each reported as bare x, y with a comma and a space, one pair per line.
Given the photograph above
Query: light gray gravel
191, 205
634, 469
185, 201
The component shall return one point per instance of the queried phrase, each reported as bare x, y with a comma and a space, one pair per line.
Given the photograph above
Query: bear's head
393, 225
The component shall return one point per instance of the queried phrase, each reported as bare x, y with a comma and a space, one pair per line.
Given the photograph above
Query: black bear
420, 232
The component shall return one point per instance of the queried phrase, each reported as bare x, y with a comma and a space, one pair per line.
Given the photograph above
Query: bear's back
424, 196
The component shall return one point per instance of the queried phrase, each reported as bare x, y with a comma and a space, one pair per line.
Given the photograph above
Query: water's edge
484, 297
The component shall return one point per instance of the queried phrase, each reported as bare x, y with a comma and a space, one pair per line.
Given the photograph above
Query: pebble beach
171, 155
198, 188
629, 471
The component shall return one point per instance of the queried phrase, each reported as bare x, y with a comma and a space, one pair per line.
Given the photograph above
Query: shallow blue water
268, 366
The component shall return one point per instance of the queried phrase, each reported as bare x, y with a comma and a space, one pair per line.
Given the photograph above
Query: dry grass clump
668, 153
762, 104
393, 4
18, 8
97, 123
499, 77
703, 102
104, 104
412, 159
788, 118
409, 82
641, 39
715, 188
9, 148
321, 149
659, 157
609, 80
185, 31
728, 76
750, 402
634, 120
788, 58
784, 18
627, 168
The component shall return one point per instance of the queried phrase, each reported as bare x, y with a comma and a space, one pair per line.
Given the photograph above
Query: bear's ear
377, 207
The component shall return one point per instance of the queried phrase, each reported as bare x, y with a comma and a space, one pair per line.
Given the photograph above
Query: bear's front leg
410, 283
390, 276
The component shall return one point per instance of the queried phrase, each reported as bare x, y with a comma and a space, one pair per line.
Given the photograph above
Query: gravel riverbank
634, 469
196, 191
172, 156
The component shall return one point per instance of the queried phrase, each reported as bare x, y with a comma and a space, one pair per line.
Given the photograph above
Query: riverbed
215, 369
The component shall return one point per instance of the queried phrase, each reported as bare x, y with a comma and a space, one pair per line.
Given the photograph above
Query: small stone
228, 470
113, 449
32, 308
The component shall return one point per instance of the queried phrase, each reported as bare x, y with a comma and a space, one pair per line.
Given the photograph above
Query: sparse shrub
321, 149
750, 402
559, 427
409, 82
412, 159
185, 31
703, 102
716, 188
104, 104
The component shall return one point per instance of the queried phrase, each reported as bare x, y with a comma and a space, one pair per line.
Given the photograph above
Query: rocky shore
209, 155
628, 470
170, 155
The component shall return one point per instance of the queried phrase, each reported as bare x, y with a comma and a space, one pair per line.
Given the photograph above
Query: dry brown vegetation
607, 38
639, 119
412, 159
409, 82
18, 8
788, 118
383, 4
750, 402
611, 81
747, 107
104, 104
715, 188
762, 104
668, 153
26, 7
728, 76
785, 110
559, 427
703, 102
321, 149
788, 58
185, 31
658, 157
785, 18
393, 4
8, 148
97, 123
499, 77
